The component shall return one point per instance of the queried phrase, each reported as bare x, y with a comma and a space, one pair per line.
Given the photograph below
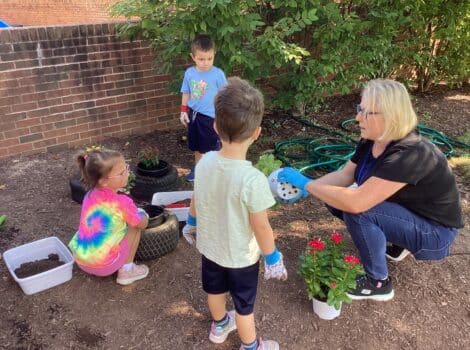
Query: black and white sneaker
396, 253
368, 288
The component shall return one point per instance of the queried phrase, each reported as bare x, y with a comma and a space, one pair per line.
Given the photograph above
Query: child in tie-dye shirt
110, 223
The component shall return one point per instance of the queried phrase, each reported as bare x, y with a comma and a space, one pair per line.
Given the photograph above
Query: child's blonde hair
391, 99
96, 164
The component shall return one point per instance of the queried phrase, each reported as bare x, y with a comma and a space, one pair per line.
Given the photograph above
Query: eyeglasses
126, 170
361, 110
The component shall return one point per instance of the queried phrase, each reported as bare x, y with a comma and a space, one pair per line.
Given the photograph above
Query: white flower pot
325, 311
284, 192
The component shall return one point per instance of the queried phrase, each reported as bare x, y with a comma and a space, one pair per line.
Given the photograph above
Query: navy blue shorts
242, 283
202, 137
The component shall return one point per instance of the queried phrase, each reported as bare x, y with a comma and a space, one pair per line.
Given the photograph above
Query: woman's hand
294, 177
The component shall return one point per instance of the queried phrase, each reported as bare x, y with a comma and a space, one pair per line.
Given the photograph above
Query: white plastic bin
39, 250
165, 198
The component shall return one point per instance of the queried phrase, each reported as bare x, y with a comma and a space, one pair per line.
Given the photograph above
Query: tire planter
161, 169
156, 214
146, 186
159, 240
77, 190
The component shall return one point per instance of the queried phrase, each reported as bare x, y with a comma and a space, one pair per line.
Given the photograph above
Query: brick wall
53, 12
73, 85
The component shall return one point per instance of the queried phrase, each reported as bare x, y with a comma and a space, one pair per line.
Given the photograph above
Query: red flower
336, 237
316, 244
351, 260
333, 284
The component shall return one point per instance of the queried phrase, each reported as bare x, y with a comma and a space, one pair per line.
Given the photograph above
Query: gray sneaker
219, 334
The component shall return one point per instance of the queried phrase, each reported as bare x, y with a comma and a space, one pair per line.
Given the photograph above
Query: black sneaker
368, 288
396, 253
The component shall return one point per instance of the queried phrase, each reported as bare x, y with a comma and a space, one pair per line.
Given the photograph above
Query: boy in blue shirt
200, 85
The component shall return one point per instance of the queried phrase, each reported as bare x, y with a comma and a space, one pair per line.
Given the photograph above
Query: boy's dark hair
239, 110
202, 42
96, 164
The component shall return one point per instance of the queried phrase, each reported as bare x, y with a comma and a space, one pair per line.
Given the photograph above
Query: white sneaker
396, 253
219, 334
265, 345
137, 272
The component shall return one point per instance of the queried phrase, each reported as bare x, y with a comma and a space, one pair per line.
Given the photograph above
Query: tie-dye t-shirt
103, 222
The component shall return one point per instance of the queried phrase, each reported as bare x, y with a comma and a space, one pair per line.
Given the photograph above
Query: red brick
44, 143
7, 126
52, 118
111, 129
68, 138
24, 107
77, 129
9, 142
20, 148
28, 122
16, 133
72, 98
38, 113
55, 133
90, 133
41, 128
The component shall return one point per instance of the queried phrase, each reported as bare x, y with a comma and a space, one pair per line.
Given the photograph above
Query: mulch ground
167, 310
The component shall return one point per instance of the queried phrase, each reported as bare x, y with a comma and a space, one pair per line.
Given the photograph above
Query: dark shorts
202, 137
242, 283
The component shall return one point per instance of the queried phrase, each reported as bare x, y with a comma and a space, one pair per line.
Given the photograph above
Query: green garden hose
445, 143
316, 155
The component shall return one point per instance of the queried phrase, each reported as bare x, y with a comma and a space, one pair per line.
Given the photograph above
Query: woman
406, 193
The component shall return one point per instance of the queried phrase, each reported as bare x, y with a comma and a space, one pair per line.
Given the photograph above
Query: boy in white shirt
231, 198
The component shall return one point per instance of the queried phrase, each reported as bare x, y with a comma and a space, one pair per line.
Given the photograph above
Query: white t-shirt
225, 192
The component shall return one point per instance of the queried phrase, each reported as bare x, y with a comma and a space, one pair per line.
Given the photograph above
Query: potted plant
152, 174
149, 162
329, 274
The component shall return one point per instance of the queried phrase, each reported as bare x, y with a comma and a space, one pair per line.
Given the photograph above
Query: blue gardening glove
295, 178
189, 230
274, 266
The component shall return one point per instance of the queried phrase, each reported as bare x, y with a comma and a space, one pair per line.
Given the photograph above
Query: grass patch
465, 138
461, 166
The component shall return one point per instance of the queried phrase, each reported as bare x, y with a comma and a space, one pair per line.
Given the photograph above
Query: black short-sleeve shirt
431, 190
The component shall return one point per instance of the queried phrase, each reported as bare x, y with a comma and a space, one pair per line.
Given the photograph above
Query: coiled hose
316, 155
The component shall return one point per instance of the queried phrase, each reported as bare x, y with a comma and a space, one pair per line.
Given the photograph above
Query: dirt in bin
168, 309
180, 204
32, 268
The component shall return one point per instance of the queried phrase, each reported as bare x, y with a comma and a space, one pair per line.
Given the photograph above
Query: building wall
53, 12
72, 85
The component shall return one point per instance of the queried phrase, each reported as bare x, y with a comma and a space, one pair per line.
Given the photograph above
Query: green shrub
302, 51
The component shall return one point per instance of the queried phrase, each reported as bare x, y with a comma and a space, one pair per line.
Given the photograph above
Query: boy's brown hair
96, 164
239, 110
202, 42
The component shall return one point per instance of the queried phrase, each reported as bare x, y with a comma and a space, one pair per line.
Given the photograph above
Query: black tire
160, 240
156, 214
160, 170
146, 186
77, 190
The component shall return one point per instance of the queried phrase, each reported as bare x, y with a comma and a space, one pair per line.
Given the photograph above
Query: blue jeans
390, 222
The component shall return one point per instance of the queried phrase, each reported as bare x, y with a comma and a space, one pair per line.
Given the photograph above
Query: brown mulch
167, 310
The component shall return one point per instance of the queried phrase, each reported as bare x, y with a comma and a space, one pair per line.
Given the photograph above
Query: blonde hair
391, 99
